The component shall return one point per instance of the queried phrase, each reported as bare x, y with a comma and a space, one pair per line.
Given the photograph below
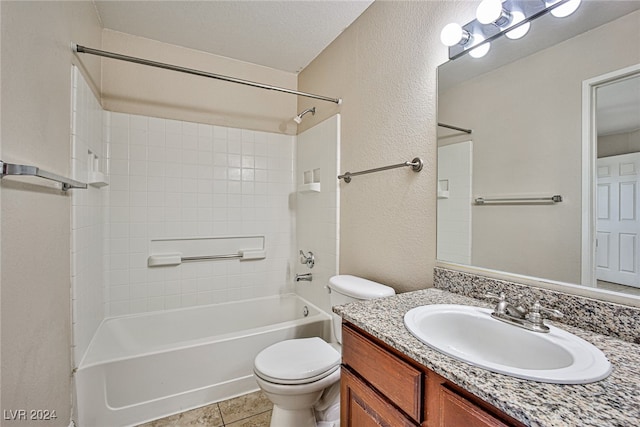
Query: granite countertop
614, 401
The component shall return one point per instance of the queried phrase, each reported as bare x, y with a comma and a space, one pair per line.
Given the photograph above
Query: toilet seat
297, 361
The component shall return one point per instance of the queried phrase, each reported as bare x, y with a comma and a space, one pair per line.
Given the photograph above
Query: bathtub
143, 367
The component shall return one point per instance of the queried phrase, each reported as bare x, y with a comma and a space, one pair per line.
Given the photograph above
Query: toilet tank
346, 288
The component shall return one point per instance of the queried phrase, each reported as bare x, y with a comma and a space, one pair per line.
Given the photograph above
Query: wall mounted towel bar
416, 164
12, 169
518, 200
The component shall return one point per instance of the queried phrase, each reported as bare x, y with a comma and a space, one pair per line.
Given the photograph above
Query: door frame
589, 159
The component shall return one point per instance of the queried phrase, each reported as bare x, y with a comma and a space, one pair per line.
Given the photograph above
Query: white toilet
301, 377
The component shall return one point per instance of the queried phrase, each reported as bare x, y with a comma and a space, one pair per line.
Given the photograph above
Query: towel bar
13, 169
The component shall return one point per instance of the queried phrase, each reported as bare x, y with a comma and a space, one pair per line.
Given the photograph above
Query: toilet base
295, 405
304, 417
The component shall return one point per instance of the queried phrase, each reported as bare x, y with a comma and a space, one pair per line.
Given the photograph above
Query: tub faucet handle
307, 259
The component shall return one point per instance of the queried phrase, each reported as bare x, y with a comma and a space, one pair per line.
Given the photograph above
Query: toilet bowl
294, 374
301, 377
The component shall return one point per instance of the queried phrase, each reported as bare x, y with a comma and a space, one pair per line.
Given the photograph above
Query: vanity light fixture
481, 50
453, 34
492, 12
497, 17
519, 32
564, 10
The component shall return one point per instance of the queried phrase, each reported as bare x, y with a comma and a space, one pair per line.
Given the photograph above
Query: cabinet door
395, 379
361, 406
455, 410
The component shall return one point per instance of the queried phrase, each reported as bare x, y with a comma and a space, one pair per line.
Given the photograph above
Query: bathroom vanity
381, 386
391, 378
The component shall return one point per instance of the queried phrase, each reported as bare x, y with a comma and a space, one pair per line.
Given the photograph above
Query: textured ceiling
284, 35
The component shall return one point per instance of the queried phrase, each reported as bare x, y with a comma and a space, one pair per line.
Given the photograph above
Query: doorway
617, 220
611, 181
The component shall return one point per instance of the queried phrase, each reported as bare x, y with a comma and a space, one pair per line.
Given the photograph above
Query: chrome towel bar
13, 169
416, 164
518, 200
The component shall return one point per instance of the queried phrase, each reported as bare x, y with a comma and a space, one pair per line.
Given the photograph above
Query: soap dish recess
313, 187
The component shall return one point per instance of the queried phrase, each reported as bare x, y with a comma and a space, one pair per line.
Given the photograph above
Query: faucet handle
556, 314
498, 298
502, 305
537, 311
308, 259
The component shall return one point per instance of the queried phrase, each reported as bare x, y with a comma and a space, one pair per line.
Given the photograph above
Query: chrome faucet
504, 307
531, 318
308, 259
307, 277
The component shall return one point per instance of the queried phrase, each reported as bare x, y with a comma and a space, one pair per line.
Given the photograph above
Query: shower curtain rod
83, 49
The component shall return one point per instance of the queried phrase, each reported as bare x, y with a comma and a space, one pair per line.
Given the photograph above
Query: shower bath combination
298, 118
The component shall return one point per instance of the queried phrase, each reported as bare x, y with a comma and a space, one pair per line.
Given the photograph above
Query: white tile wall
454, 212
173, 179
317, 219
88, 220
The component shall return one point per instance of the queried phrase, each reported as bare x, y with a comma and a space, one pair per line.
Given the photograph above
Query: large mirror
556, 113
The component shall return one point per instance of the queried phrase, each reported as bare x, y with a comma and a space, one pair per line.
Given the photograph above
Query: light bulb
523, 29
480, 51
489, 11
453, 34
566, 9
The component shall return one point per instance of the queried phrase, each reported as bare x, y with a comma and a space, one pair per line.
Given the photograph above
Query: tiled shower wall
454, 202
317, 213
172, 179
88, 219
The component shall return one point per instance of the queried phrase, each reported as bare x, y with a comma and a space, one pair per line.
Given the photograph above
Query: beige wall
384, 68
35, 129
527, 133
622, 143
137, 89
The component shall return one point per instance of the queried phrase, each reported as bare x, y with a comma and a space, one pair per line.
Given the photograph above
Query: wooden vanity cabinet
382, 387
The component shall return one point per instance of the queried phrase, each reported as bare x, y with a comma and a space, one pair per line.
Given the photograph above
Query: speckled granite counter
614, 401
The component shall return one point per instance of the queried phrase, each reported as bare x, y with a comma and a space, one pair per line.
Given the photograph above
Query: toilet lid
296, 360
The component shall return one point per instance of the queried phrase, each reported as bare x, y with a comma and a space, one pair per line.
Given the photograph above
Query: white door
618, 219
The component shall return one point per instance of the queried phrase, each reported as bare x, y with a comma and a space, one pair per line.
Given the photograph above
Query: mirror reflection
617, 223
524, 104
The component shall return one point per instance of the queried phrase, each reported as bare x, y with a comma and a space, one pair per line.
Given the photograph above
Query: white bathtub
139, 368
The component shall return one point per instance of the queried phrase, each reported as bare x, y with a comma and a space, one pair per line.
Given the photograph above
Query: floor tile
261, 420
206, 416
618, 288
244, 407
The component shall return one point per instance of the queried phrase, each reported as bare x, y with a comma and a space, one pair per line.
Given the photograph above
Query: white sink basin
471, 335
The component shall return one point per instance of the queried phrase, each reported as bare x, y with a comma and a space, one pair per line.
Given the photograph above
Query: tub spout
306, 277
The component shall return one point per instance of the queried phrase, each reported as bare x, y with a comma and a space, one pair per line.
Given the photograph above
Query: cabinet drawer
456, 410
361, 406
392, 377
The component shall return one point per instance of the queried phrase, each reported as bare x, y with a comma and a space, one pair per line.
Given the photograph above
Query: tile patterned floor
618, 288
250, 410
